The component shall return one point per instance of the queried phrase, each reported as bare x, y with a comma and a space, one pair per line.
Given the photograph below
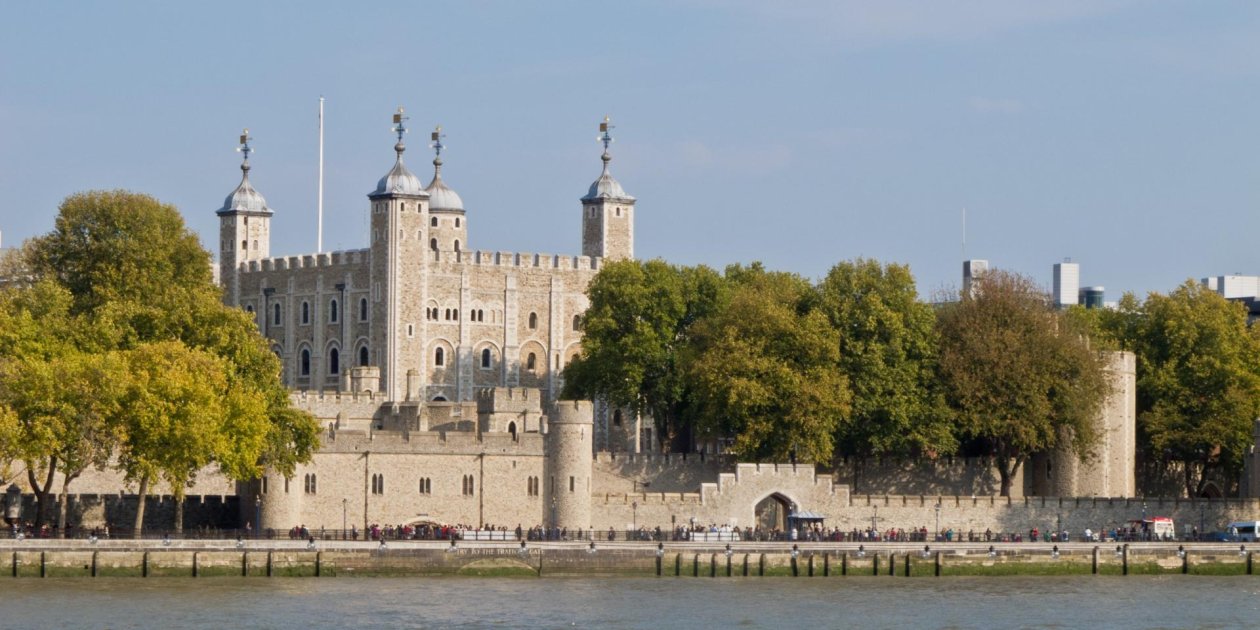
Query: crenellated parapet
556, 262
353, 257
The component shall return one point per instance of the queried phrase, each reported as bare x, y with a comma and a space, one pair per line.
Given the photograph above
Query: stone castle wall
963, 476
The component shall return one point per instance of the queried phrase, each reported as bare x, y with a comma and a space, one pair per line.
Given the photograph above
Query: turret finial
400, 129
436, 137
245, 150
606, 138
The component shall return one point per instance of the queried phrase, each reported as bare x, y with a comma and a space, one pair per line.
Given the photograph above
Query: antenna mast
319, 196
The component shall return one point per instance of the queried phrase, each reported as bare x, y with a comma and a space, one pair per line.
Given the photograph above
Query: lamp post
938, 520
635, 517
343, 519
257, 515
553, 512
874, 517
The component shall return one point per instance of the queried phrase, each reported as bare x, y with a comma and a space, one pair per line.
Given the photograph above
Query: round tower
273, 504
569, 454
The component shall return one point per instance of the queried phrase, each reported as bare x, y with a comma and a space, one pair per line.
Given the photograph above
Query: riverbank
203, 559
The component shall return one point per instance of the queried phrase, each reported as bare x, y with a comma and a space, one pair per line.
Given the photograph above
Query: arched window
448, 314
433, 244
334, 361
533, 321
485, 359
305, 368
433, 221
577, 322
363, 309
531, 362
244, 245
363, 356
332, 312
512, 429
456, 221
456, 244
439, 357
306, 313
426, 485
275, 315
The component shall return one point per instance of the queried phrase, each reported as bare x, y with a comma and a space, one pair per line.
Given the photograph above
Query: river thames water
995, 602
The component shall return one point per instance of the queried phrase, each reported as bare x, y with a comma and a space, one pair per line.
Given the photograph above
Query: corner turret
607, 211
244, 228
569, 456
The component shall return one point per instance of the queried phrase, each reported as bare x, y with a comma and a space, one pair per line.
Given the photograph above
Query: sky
1117, 133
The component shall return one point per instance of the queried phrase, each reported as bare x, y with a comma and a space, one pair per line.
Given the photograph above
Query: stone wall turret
570, 452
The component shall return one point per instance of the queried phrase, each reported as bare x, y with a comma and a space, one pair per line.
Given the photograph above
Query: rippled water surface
1074, 602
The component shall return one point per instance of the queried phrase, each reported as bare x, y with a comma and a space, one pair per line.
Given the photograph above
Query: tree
173, 418
133, 275
59, 390
634, 332
1020, 379
888, 353
764, 370
1198, 380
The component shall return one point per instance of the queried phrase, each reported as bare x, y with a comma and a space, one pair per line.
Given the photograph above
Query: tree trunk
1189, 480
1007, 468
179, 513
63, 506
41, 492
139, 524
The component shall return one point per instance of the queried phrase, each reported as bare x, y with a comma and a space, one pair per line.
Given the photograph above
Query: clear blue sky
1122, 134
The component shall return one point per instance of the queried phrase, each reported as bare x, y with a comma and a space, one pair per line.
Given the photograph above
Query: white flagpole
319, 203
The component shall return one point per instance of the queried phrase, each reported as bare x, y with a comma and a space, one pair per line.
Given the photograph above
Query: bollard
244, 564
713, 565
826, 565
811, 565
745, 565
144, 565
677, 565
892, 564
195, 567
319, 564
15, 564
94, 554
269, 563
695, 565
1094, 562
938, 564
844, 564
906, 573
875, 564
43, 564
1125, 559
659, 562
1250, 557
728, 566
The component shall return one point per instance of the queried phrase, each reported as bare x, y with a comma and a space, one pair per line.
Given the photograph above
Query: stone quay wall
254, 560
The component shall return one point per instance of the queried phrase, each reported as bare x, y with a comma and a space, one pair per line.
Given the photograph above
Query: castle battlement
306, 397
612, 457
646, 499
307, 261
434, 443
558, 262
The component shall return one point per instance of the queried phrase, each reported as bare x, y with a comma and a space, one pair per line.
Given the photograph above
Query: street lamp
874, 518
938, 520
343, 519
635, 522
553, 512
257, 515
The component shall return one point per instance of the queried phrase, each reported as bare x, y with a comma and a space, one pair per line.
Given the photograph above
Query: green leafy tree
888, 353
634, 334
1020, 379
60, 392
1198, 380
764, 370
135, 277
